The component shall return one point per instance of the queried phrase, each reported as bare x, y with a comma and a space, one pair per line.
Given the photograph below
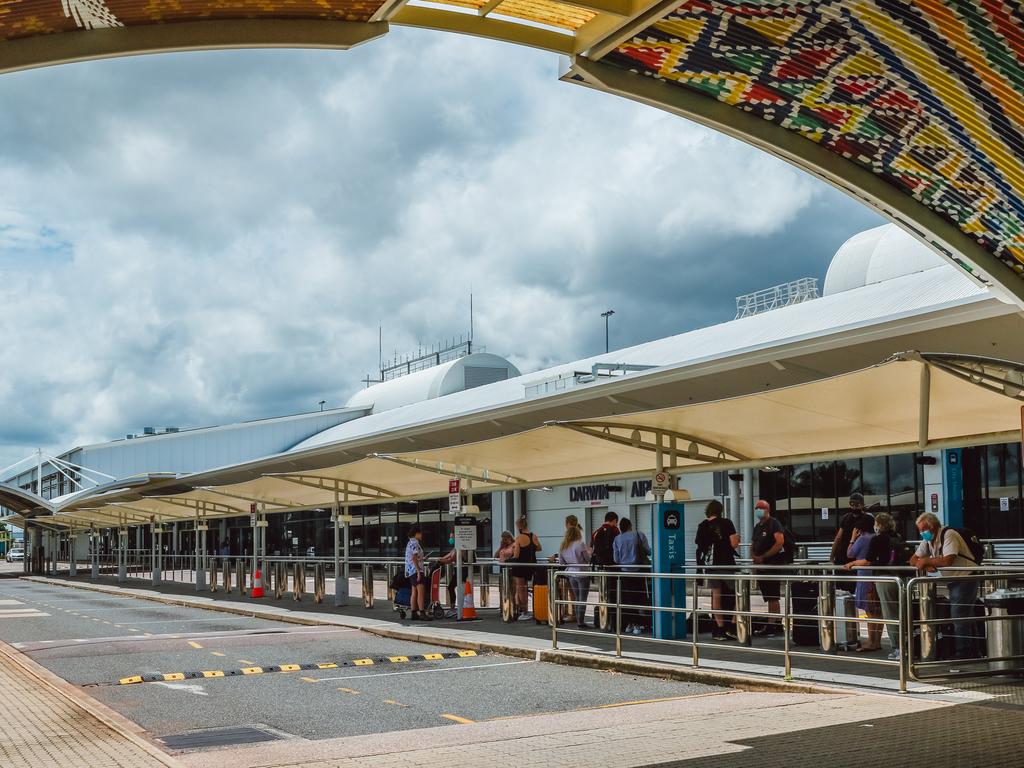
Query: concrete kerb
741, 682
83, 701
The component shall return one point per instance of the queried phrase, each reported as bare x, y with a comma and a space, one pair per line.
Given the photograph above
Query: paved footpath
46, 722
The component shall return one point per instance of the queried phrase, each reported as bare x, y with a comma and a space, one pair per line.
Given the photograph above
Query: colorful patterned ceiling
924, 96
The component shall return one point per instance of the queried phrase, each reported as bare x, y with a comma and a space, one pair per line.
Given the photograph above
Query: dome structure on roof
474, 370
876, 255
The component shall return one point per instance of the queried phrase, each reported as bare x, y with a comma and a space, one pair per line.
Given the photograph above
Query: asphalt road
95, 640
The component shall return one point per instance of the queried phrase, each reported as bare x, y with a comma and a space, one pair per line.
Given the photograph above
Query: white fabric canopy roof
906, 404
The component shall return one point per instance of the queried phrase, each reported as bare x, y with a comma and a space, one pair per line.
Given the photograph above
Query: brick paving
40, 727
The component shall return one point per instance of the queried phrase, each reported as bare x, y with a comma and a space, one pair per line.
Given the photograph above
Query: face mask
759, 514
927, 535
877, 529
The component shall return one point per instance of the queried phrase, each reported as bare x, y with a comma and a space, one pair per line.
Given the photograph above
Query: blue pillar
669, 556
954, 476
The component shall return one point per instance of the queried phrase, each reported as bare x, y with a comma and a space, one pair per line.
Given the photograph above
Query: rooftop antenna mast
471, 319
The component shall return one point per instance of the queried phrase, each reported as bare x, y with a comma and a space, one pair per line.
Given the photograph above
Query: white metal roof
897, 299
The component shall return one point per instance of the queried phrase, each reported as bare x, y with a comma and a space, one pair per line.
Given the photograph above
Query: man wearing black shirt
716, 545
766, 546
844, 533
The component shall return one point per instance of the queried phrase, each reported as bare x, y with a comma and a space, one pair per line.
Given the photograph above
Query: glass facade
798, 493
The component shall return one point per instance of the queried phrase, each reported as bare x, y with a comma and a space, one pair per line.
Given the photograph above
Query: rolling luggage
804, 599
540, 603
847, 634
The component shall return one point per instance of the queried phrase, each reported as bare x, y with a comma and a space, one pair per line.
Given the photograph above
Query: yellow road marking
174, 676
326, 666
216, 653
194, 644
363, 662
350, 690
308, 679
396, 703
246, 661
398, 659
290, 667
252, 670
148, 634
459, 720
214, 673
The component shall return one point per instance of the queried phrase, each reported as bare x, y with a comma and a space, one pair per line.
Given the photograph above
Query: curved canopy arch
913, 107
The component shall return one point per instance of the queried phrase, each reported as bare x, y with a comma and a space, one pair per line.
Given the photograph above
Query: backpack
971, 540
603, 553
788, 553
899, 553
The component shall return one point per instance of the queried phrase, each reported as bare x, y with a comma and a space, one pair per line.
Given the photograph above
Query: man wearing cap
844, 534
766, 546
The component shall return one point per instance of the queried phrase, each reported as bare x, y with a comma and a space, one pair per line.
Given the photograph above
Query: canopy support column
72, 547
200, 550
340, 561
925, 405
122, 552
156, 537
94, 553
747, 520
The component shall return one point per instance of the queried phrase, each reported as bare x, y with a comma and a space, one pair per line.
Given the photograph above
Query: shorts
726, 585
770, 590
415, 579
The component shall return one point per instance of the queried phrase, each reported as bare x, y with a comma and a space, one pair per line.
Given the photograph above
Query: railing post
696, 623
603, 615
902, 633
506, 595
367, 585
744, 622
786, 628
553, 606
618, 615
827, 607
240, 571
299, 581
485, 586
929, 646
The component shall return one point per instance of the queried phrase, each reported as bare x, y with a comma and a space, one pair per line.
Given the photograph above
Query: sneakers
638, 630
894, 655
768, 630
524, 617
718, 633
729, 634
629, 629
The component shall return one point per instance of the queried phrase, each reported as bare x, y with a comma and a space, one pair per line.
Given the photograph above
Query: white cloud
206, 237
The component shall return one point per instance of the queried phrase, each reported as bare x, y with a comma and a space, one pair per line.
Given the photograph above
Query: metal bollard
744, 624
240, 574
213, 574
926, 611
485, 587
280, 579
367, 585
319, 582
225, 569
298, 582
506, 595
391, 570
604, 616
827, 607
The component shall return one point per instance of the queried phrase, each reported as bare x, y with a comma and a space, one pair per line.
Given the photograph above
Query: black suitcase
804, 599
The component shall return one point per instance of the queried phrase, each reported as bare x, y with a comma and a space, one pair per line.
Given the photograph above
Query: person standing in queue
415, 570
865, 594
601, 542
525, 547
844, 535
767, 547
574, 553
505, 547
716, 542
453, 580
631, 551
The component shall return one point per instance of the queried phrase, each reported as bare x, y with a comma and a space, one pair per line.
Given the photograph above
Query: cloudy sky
201, 238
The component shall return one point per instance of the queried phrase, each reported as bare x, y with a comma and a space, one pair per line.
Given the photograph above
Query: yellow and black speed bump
363, 662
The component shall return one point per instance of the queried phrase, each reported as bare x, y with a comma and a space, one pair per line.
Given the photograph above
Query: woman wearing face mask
866, 597
888, 549
449, 559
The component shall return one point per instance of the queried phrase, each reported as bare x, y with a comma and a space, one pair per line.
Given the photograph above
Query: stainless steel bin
1005, 635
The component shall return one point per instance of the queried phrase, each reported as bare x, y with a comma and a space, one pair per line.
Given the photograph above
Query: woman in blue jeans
574, 553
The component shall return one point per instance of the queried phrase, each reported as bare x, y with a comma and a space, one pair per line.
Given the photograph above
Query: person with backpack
844, 533
944, 547
716, 542
888, 550
768, 547
601, 543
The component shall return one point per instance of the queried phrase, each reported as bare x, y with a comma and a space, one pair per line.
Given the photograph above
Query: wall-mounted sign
824, 513
579, 493
639, 489
661, 482
1004, 503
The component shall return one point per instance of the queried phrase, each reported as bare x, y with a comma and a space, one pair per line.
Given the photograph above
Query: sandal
867, 649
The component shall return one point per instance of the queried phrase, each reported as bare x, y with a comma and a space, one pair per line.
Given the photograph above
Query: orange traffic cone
257, 584
468, 608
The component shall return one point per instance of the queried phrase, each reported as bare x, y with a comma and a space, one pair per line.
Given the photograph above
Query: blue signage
954, 487
669, 556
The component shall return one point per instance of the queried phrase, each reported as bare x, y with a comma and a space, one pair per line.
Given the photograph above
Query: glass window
847, 480
874, 483
905, 500
1003, 477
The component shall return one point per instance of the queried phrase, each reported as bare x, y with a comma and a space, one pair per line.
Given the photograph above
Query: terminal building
883, 293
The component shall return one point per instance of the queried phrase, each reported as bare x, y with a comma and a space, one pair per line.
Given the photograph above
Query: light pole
606, 315
322, 404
